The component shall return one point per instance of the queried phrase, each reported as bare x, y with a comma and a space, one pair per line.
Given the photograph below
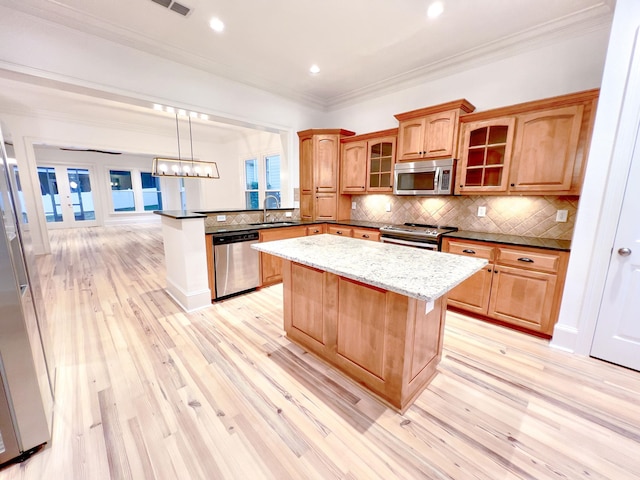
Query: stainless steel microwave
427, 177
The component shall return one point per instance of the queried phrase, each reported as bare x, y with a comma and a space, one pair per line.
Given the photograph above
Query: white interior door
617, 336
67, 196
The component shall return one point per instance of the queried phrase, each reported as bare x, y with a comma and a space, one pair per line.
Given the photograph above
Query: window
151, 195
135, 191
266, 186
122, 191
251, 184
272, 174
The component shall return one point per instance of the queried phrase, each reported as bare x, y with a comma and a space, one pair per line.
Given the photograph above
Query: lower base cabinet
521, 286
271, 266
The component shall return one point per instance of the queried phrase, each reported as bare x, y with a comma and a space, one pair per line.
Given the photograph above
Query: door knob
624, 252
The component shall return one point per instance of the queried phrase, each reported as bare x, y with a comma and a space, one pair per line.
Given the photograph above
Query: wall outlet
353, 205
388, 207
288, 214
561, 215
221, 218
482, 211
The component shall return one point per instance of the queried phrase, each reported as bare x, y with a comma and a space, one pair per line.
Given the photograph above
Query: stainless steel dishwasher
236, 264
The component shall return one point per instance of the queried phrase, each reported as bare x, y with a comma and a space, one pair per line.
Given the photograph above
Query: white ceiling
363, 47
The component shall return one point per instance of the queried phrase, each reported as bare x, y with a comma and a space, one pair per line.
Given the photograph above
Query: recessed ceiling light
315, 69
435, 10
216, 24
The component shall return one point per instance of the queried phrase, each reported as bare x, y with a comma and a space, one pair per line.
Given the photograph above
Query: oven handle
409, 243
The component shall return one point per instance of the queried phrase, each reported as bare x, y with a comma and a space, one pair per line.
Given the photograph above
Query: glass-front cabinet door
381, 157
486, 155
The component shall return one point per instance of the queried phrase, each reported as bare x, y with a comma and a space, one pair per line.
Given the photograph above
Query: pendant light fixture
184, 168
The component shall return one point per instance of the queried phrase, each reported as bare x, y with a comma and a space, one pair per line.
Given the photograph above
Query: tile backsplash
530, 216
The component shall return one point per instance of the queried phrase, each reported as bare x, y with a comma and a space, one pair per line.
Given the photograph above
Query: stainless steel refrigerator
26, 396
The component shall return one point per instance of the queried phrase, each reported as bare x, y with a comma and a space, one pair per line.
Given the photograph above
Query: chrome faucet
264, 205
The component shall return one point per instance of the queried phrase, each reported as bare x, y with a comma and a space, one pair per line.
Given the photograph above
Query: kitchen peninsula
374, 311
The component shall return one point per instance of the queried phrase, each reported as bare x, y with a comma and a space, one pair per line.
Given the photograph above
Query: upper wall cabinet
545, 149
535, 148
430, 132
366, 162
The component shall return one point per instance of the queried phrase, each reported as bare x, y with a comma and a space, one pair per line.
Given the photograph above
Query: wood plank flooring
146, 391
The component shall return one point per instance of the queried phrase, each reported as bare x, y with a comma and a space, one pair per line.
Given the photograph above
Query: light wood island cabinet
521, 286
430, 132
380, 323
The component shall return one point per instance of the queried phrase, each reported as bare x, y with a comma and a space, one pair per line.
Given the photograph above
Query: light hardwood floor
146, 391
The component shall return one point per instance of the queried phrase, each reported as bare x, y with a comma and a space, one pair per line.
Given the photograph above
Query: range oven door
424, 244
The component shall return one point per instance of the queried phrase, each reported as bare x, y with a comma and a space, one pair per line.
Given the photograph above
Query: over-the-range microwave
427, 177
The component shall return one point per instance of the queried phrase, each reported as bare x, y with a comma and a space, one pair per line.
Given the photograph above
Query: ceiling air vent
175, 6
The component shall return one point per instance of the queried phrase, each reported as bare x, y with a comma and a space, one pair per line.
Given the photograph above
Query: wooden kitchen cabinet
545, 149
534, 148
371, 234
430, 132
271, 266
486, 156
521, 286
316, 229
366, 162
340, 230
319, 175
353, 168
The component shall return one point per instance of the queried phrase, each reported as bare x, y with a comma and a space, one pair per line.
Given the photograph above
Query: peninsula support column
186, 261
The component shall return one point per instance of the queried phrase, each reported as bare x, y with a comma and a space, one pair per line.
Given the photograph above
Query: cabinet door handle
489, 270
525, 259
468, 250
495, 271
513, 184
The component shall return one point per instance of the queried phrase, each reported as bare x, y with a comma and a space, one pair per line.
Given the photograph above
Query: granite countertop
417, 273
179, 214
292, 223
548, 243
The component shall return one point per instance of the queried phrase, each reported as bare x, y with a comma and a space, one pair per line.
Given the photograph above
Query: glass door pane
50, 195
81, 195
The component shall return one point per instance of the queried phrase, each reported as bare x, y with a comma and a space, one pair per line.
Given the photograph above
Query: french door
67, 196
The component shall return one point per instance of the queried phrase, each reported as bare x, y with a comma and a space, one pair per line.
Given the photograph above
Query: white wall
616, 128
565, 67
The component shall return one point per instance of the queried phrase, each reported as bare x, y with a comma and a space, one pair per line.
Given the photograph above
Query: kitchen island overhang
374, 311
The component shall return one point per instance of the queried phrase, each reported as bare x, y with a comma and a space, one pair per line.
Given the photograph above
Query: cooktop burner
416, 230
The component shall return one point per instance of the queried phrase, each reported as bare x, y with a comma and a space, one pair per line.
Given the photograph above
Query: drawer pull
339, 232
365, 236
525, 259
468, 250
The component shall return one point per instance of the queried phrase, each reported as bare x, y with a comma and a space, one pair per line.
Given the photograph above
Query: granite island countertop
422, 274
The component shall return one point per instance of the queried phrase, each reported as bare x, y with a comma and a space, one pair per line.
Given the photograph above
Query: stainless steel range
415, 235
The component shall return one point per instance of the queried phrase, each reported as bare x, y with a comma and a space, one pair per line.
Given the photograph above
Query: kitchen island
372, 310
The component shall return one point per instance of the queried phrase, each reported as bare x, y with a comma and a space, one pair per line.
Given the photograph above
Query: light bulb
175, 168
186, 169
435, 10
162, 167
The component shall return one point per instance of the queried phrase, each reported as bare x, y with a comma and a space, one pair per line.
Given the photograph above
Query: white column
186, 261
